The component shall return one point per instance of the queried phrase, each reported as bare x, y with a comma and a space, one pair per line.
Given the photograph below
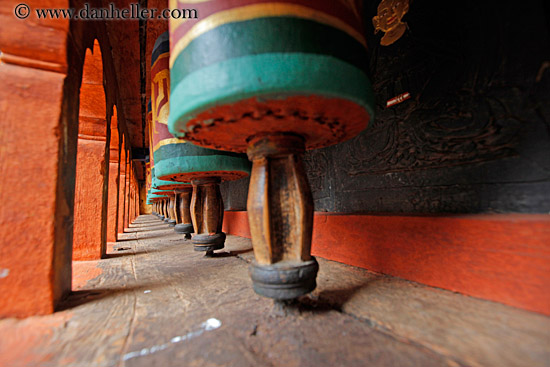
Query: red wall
503, 258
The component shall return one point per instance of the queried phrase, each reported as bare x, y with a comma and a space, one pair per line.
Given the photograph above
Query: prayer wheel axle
207, 215
183, 212
280, 213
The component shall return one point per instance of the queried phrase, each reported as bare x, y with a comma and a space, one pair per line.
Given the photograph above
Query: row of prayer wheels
269, 79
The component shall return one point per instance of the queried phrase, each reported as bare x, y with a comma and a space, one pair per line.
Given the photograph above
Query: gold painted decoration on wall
388, 20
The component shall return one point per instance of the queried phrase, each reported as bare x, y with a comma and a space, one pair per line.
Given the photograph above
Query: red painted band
502, 257
160, 132
337, 9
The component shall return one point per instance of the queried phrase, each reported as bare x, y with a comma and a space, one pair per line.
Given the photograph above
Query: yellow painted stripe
168, 141
162, 56
254, 11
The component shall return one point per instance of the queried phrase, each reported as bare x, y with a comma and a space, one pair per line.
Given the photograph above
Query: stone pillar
38, 101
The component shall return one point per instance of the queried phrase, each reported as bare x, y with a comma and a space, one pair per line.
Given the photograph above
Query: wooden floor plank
156, 302
473, 331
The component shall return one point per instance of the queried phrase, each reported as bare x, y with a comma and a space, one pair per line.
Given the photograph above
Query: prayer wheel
171, 188
151, 200
150, 171
182, 191
272, 79
181, 201
166, 209
177, 160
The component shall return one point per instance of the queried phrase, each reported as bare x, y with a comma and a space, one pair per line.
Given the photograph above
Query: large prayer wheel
177, 160
272, 79
182, 191
159, 184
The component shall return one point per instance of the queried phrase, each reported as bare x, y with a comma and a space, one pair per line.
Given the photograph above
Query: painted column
113, 191
135, 197
38, 102
130, 194
127, 190
89, 241
121, 188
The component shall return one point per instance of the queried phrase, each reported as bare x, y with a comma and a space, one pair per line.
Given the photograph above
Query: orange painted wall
503, 258
89, 239
144, 208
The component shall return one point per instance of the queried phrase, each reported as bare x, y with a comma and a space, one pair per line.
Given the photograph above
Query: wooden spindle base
207, 215
280, 213
172, 210
165, 210
159, 207
183, 210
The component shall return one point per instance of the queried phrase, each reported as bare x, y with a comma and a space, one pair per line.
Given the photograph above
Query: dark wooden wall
475, 135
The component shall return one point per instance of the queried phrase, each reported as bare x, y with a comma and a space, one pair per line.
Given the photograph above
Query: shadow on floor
231, 253
321, 302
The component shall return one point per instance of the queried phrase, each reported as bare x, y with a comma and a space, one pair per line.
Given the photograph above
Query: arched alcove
90, 213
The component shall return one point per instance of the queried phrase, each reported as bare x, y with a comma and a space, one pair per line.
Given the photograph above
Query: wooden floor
156, 302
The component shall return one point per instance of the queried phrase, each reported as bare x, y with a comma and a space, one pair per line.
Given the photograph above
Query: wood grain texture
207, 206
183, 207
503, 258
172, 207
280, 205
145, 304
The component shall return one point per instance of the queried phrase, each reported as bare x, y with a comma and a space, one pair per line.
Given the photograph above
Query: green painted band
278, 35
170, 151
190, 164
277, 76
